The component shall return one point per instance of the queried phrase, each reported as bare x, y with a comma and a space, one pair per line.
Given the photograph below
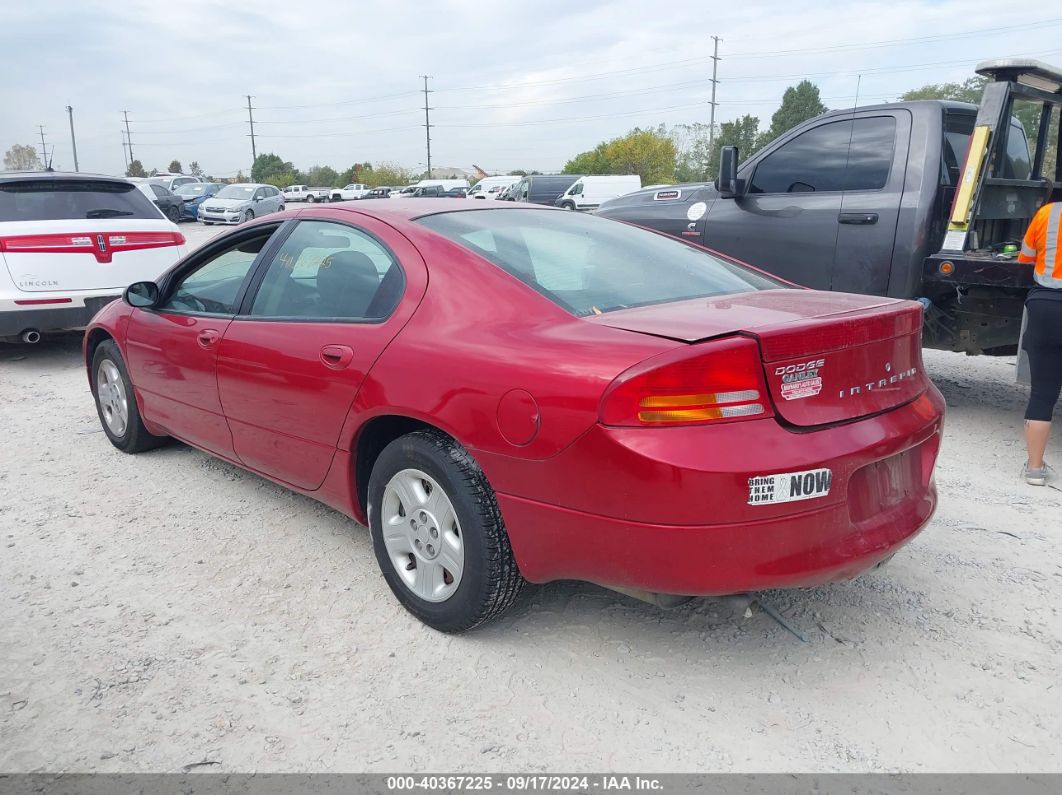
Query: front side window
214, 285
590, 265
329, 270
842, 155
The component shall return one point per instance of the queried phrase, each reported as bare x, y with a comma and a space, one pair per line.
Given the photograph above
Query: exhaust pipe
30, 336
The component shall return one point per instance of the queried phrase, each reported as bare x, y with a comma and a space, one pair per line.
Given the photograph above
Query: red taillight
101, 245
718, 381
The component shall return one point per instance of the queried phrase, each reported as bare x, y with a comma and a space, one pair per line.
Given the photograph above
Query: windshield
236, 192
591, 265
193, 189
55, 199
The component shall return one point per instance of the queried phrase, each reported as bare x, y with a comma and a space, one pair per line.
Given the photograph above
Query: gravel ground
169, 609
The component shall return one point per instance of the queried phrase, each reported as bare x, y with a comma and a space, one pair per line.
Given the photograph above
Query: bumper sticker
789, 486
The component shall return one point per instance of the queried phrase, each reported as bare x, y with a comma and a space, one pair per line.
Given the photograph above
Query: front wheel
568, 206
248, 216
116, 404
438, 534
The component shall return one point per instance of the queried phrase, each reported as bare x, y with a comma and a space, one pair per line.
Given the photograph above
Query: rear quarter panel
477, 335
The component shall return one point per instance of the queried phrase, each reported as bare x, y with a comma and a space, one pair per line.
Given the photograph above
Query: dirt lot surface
168, 609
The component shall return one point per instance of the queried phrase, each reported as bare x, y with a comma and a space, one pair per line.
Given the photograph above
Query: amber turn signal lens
947, 268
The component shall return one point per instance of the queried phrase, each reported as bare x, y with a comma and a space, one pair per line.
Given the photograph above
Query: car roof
412, 209
36, 176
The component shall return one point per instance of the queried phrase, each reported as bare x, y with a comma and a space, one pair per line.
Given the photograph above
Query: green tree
593, 162
194, 169
390, 174
969, 90
647, 153
21, 158
136, 169
359, 173
175, 167
744, 133
691, 148
272, 170
322, 177
799, 103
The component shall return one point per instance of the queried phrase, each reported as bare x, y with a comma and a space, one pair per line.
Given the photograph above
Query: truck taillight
720, 381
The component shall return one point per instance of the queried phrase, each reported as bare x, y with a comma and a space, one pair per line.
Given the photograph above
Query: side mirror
141, 294
727, 182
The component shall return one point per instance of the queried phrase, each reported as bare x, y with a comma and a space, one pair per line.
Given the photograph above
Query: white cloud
503, 73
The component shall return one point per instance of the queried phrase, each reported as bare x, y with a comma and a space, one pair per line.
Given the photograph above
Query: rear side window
57, 200
590, 265
842, 155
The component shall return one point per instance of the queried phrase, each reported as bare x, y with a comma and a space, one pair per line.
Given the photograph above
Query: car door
786, 221
870, 205
273, 198
172, 348
318, 314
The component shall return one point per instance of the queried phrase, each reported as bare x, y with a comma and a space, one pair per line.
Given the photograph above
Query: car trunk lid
827, 357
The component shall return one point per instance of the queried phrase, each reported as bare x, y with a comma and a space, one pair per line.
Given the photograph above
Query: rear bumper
15, 319
679, 527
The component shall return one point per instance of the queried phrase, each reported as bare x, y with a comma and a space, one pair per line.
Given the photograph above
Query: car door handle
860, 219
207, 337
336, 357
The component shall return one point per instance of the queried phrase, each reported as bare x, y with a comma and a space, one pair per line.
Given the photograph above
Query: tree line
680, 153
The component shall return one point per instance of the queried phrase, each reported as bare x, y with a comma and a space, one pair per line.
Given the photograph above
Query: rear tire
311, 198
116, 404
175, 214
472, 577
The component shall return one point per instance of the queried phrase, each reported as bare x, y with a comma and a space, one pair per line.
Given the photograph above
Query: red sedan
508, 393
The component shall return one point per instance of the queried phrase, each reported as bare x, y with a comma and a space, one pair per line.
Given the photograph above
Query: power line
715, 82
250, 118
128, 136
44, 147
427, 122
73, 141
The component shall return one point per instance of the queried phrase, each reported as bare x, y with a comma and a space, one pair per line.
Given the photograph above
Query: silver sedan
241, 202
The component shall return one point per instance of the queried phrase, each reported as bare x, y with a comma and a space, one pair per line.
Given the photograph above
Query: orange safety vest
1041, 245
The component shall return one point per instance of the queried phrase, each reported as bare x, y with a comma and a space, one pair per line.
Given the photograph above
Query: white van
587, 193
490, 187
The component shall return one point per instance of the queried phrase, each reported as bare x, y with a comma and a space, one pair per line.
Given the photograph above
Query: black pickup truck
923, 199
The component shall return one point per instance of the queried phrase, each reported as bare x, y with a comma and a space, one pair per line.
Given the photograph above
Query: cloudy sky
516, 84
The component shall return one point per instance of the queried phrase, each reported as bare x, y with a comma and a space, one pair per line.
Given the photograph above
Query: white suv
70, 244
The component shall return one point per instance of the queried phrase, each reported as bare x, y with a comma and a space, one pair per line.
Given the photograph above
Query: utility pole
125, 155
73, 141
250, 118
44, 147
128, 137
427, 122
711, 120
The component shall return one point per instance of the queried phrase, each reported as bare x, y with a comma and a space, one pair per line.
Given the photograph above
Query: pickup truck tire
473, 542
311, 198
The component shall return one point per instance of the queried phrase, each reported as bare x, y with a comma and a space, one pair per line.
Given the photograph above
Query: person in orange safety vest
1043, 335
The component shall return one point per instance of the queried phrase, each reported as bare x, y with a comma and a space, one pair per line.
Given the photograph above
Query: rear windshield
57, 200
236, 192
591, 265
194, 189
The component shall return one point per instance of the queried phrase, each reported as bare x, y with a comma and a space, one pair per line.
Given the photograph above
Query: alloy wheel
110, 391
